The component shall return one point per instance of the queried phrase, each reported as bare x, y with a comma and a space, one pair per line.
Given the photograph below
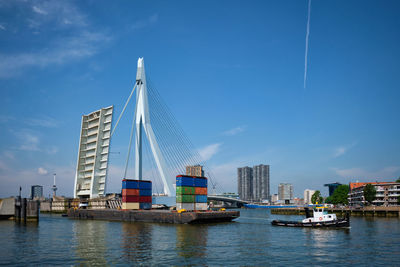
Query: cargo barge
156, 216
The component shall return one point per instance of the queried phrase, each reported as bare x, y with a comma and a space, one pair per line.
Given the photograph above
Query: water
251, 240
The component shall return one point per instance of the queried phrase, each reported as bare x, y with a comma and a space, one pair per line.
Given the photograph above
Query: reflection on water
90, 240
191, 240
136, 242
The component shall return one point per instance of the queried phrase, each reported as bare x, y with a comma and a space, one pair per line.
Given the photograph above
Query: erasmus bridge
161, 148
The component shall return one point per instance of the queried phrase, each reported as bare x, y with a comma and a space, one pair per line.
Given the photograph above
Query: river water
249, 241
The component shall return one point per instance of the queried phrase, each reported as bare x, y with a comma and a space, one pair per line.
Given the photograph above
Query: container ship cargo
191, 204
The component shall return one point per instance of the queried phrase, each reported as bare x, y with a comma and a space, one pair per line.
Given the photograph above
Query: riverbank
365, 211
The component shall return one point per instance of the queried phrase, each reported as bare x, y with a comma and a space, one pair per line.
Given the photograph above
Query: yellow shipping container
130, 206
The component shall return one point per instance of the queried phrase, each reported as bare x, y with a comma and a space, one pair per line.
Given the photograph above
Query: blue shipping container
201, 199
184, 181
144, 192
144, 185
200, 182
145, 206
130, 184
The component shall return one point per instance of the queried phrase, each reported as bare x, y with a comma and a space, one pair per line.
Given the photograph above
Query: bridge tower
142, 120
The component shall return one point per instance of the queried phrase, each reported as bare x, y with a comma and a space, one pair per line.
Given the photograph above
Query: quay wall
366, 211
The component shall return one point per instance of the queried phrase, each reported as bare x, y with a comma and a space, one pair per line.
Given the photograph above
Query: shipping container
130, 206
144, 192
201, 199
184, 181
130, 198
145, 206
130, 184
200, 182
200, 206
185, 190
130, 192
144, 184
186, 206
185, 198
145, 199
200, 190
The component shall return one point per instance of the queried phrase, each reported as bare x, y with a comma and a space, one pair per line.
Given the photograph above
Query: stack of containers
136, 194
191, 192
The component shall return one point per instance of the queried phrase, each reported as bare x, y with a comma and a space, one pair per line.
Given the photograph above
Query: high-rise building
91, 170
36, 191
285, 192
307, 196
253, 183
196, 170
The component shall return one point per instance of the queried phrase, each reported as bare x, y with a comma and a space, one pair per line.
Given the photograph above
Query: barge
156, 216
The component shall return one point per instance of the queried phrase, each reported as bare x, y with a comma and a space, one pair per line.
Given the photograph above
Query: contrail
307, 37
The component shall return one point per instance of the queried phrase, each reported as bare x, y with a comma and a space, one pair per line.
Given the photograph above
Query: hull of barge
156, 216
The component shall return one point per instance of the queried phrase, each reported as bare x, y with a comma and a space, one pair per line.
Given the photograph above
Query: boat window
330, 216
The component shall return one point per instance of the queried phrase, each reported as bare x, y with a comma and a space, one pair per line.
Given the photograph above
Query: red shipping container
145, 199
200, 190
130, 199
130, 192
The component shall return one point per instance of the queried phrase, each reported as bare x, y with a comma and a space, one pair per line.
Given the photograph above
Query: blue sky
230, 71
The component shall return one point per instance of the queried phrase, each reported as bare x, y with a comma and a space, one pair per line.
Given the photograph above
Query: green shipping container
184, 190
185, 198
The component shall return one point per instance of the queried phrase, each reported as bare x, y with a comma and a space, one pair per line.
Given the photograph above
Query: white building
285, 192
91, 170
307, 196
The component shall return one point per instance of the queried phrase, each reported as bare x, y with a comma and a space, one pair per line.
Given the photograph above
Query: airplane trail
307, 37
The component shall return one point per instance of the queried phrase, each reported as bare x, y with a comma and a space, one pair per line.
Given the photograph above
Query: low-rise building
387, 193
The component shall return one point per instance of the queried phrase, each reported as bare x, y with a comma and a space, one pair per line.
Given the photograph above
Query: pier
365, 211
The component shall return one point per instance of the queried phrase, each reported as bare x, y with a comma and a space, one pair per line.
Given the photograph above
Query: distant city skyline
234, 81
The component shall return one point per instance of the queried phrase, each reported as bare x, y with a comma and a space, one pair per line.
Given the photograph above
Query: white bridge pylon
142, 119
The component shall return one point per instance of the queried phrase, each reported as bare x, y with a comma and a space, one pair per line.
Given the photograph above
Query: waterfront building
332, 187
274, 198
91, 169
307, 196
387, 193
298, 201
36, 191
196, 170
253, 183
285, 192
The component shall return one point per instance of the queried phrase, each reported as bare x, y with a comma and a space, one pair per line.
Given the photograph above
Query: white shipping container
200, 206
130, 206
186, 206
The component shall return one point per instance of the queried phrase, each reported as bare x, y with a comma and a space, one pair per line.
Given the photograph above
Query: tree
316, 197
369, 193
340, 195
398, 180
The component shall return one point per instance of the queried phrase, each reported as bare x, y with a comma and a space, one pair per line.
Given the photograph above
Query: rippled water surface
251, 240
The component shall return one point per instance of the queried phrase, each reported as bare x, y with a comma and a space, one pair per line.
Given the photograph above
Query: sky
232, 73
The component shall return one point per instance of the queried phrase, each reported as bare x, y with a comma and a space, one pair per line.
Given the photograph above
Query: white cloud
207, 152
44, 121
234, 131
146, 22
42, 171
341, 150
39, 10
389, 172
28, 141
2, 27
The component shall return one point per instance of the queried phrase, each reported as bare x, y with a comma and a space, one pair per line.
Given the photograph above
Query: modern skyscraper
91, 170
36, 191
196, 170
285, 192
253, 183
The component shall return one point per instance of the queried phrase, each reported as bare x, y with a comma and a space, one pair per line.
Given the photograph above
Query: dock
370, 211
157, 216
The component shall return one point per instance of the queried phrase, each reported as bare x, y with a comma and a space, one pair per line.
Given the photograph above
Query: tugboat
320, 218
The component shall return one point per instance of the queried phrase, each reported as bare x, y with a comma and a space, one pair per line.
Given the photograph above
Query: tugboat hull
336, 223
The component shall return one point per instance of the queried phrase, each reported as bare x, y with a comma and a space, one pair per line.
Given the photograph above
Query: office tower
245, 183
91, 170
253, 183
285, 192
36, 191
